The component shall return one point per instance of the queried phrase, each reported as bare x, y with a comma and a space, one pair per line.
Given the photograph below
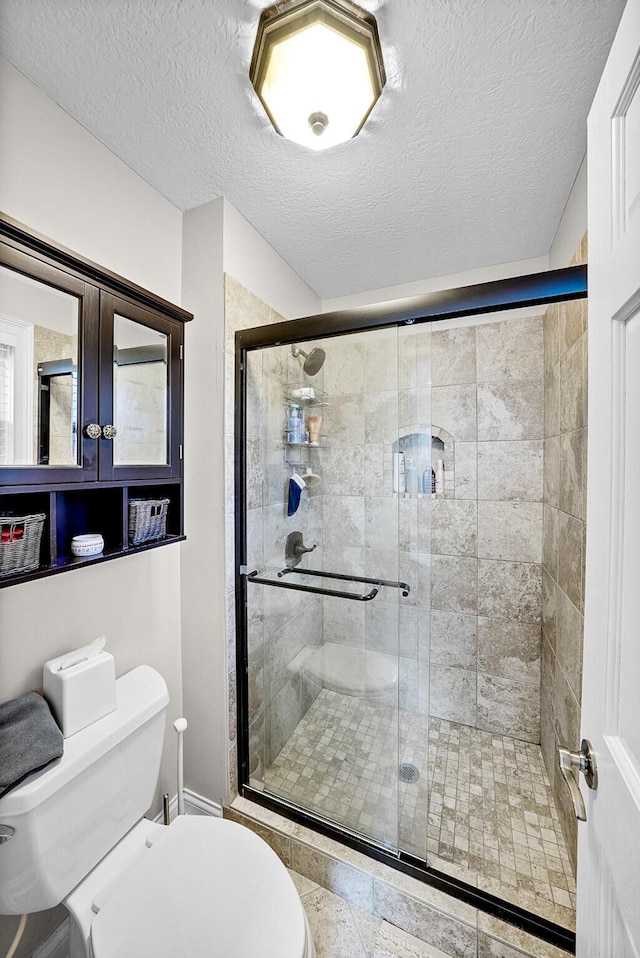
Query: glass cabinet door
48, 373
140, 394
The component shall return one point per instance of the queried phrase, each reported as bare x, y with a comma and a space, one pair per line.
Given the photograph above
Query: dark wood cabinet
91, 400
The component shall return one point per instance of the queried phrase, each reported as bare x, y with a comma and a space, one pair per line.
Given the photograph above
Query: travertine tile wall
281, 623
565, 353
486, 539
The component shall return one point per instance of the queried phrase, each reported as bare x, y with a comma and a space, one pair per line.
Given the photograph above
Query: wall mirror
38, 372
140, 394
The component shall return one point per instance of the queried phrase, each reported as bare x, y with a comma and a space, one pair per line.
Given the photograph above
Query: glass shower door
325, 593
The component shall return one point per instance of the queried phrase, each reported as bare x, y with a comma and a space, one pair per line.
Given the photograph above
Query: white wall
255, 264
389, 294
59, 180
573, 223
203, 558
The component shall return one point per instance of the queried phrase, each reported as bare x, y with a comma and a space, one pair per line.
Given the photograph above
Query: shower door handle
571, 763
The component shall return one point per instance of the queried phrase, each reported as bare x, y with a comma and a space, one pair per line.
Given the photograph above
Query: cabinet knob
109, 432
92, 430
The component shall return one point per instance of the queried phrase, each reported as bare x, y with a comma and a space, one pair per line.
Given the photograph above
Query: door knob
571, 763
109, 432
92, 430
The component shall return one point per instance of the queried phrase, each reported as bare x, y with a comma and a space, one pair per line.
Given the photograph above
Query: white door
608, 920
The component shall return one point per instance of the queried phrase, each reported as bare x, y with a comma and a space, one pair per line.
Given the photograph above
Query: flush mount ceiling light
317, 68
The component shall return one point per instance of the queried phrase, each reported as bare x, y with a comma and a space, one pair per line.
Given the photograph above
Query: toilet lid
207, 888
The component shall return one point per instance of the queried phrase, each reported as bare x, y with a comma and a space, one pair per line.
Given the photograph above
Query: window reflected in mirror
38, 373
140, 394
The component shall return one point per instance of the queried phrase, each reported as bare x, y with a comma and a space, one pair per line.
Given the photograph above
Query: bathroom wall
565, 354
60, 181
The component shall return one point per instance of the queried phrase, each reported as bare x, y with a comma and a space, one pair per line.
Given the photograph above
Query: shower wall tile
408, 631
510, 530
565, 333
343, 622
381, 417
256, 681
573, 393
511, 349
414, 568
408, 684
381, 625
344, 366
466, 470
550, 540
343, 469
453, 408
572, 461
509, 590
408, 530
303, 631
374, 473
549, 607
424, 510
551, 333
453, 694
453, 639
343, 524
242, 310
551, 487
346, 419
381, 522
547, 708
454, 584
552, 401
284, 715
454, 525
381, 563
569, 640
380, 362
511, 410
509, 650
453, 356
508, 707
571, 323
510, 470
570, 557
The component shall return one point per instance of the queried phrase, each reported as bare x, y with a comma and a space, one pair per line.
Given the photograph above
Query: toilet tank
67, 817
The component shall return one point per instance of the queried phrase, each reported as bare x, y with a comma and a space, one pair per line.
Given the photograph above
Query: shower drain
408, 773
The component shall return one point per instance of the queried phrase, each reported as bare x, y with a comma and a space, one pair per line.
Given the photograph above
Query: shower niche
429, 464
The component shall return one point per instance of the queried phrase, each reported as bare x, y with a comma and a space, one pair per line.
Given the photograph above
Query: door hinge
181, 351
181, 448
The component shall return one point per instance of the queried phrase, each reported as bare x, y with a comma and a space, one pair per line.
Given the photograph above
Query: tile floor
482, 808
342, 930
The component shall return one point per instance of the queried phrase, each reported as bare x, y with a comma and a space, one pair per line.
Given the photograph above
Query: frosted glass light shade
317, 68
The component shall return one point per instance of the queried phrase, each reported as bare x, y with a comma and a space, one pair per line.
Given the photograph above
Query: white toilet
75, 833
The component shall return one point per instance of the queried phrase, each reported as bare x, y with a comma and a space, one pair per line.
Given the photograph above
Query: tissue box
80, 694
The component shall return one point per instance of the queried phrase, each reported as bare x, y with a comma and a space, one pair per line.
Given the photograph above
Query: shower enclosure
389, 579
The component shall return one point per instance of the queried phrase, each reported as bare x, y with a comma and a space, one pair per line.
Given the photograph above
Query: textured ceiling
466, 161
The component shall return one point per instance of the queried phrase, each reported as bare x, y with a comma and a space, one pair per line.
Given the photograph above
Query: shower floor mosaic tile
482, 808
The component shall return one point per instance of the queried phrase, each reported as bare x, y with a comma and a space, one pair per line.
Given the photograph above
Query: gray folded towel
29, 739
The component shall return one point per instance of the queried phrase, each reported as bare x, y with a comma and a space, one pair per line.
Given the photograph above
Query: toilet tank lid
140, 694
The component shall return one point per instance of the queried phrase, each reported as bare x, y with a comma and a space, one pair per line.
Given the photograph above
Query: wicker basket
147, 520
20, 543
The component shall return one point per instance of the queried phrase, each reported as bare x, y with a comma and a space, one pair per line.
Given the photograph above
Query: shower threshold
486, 827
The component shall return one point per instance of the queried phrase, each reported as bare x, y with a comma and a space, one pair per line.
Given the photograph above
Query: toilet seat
206, 888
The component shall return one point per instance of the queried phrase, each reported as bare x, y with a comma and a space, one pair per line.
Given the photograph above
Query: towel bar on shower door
298, 587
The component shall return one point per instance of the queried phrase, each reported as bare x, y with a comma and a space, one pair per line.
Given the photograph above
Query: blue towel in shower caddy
296, 485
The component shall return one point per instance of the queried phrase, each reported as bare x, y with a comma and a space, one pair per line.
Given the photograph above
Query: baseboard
57, 944
194, 804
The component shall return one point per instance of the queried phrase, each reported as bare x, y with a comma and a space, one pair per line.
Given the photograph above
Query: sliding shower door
336, 578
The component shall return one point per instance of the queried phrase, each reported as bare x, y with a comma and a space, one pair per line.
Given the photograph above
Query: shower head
312, 361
